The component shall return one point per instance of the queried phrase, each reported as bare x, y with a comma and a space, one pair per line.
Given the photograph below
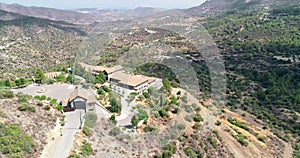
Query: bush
37, 97
106, 89
167, 85
197, 126
14, 142
40, 104
90, 120
22, 99
115, 105
4, 94
262, 139
212, 142
26, 107
146, 95
43, 97
86, 131
162, 113
238, 124
190, 153
170, 147
115, 131
218, 123
242, 139
74, 155
113, 119
53, 102
143, 115
60, 78
59, 107
47, 108
180, 126
198, 118
101, 91
150, 129
86, 149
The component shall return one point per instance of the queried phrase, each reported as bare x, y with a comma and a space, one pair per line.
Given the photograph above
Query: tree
134, 121
20, 82
115, 105
39, 76
7, 83
69, 78
113, 119
101, 78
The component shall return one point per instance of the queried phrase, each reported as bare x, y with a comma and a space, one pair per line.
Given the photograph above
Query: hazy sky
124, 4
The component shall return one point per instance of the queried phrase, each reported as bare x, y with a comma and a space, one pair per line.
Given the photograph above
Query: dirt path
288, 150
53, 138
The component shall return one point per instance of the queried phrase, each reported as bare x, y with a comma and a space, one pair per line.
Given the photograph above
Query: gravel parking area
57, 91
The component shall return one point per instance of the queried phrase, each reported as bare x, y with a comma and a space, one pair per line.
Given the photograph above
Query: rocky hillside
28, 42
27, 123
215, 7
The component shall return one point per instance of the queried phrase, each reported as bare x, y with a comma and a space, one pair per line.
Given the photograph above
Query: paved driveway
64, 146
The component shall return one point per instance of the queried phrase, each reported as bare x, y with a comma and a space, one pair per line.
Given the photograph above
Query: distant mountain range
79, 16
48, 13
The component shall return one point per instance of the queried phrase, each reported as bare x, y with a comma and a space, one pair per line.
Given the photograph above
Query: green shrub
37, 97
4, 94
238, 124
86, 149
40, 104
262, 138
22, 99
197, 126
242, 139
53, 102
115, 105
146, 95
26, 107
218, 123
115, 131
90, 120
60, 78
47, 108
150, 129
100, 91
162, 113
43, 97
212, 142
14, 142
113, 119
106, 89
59, 107
86, 131
74, 155
190, 153
198, 118
180, 126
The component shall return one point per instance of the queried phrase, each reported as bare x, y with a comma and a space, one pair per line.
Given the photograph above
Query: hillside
261, 50
28, 42
25, 124
49, 13
217, 7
